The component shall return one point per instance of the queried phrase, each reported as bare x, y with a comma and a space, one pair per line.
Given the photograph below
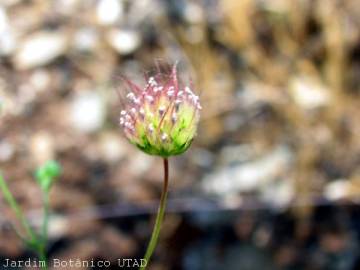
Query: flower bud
46, 174
164, 119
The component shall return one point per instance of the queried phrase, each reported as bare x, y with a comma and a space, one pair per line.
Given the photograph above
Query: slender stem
43, 258
38, 245
44, 229
14, 205
159, 218
45, 225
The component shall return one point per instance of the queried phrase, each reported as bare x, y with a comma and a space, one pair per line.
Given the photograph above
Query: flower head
161, 118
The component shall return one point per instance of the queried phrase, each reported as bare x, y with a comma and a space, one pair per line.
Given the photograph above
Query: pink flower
161, 118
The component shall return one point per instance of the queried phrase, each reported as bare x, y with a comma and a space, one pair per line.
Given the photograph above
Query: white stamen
177, 104
164, 136
158, 89
173, 118
152, 81
149, 98
133, 110
180, 93
188, 90
162, 110
151, 128
130, 96
123, 112
170, 93
122, 120
142, 111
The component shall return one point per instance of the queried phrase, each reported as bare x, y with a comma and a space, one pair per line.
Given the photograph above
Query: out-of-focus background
272, 180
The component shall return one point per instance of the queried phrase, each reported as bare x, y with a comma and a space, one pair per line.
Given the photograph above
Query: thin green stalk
159, 218
43, 258
14, 205
44, 229
45, 224
34, 242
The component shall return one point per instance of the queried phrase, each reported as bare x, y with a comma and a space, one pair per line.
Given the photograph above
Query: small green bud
47, 173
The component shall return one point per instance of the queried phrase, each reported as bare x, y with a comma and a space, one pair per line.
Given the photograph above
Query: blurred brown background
272, 180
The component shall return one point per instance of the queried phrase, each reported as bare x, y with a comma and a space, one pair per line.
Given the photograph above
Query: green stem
14, 205
35, 243
45, 225
44, 229
159, 218
43, 258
